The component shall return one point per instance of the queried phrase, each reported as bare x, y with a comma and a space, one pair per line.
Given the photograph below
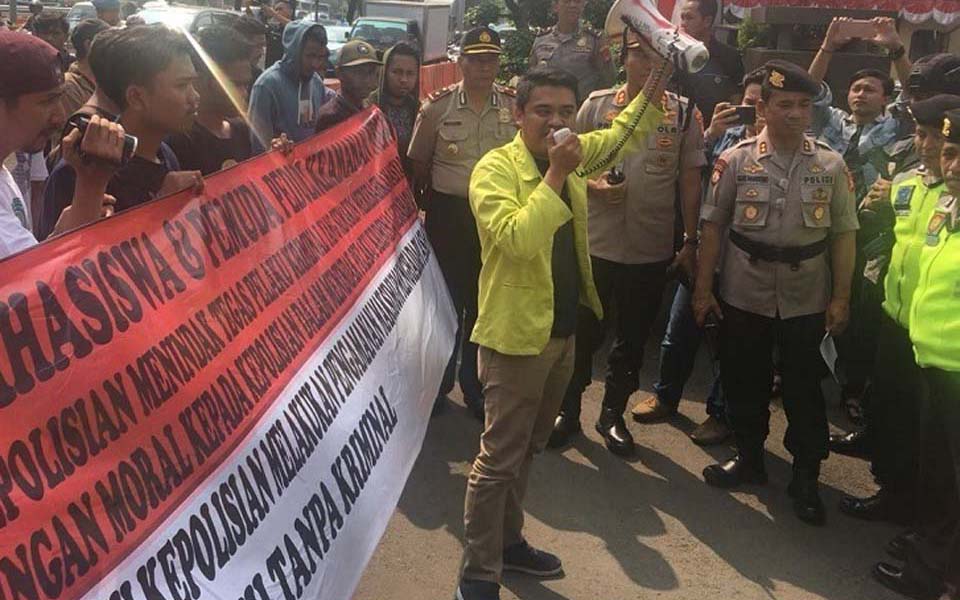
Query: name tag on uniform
818, 180
901, 204
753, 179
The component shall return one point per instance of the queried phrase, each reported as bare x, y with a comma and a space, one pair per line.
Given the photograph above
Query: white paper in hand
828, 350
561, 134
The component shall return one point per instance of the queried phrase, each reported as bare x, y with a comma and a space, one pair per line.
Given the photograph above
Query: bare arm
843, 252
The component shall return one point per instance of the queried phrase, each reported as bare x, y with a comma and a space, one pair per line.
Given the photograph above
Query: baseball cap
357, 52
27, 65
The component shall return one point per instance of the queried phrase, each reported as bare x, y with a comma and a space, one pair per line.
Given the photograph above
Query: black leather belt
791, 255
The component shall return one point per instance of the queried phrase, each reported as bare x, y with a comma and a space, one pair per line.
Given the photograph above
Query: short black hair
544, 76
45, 22
120, 58
707, 8
884, 78
249, 26
222, 44
83, 34
754, 77
404, 49
316, 33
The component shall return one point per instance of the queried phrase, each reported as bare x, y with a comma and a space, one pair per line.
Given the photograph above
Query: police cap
480, 40
935, 74
783, 76
930, 111
951, 126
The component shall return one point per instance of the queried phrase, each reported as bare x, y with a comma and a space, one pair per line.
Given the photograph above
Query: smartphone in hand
747, 114
862, 30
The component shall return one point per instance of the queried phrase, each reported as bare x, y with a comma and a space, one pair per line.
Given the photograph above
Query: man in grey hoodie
287, 97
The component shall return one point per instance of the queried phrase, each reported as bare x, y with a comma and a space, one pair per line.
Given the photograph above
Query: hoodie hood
380, 93
293, 36
282, 102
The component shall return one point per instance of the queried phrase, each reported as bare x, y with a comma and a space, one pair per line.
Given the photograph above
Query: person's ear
136, 97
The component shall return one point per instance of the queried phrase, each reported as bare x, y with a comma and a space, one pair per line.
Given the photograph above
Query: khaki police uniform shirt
585, 54
785, 205
640, 229
451, 137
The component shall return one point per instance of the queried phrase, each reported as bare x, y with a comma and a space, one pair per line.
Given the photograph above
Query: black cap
783, 76
930, 111
935, 74
480, 40
951, 126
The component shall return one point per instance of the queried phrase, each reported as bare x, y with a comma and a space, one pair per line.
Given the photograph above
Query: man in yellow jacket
529, 198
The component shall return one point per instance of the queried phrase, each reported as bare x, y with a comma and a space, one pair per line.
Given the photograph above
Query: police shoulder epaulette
824, 145
442, 92
539, 31
602, 93
506, 90
744, 143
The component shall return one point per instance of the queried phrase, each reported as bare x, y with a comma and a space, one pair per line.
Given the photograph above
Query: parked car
79, 12
188, 18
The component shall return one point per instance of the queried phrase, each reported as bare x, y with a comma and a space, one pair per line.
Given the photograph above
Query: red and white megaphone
643, 17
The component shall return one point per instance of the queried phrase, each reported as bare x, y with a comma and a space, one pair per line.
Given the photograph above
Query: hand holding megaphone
666, 39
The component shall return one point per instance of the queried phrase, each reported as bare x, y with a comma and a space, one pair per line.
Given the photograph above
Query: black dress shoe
853, 444
897, 579
564, 428
734, 472
614, 431
878, 507
805, 491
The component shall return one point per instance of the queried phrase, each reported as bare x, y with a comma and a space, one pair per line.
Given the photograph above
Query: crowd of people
561, 209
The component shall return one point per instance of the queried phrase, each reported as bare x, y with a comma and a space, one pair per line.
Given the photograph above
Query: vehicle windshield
337, 33
177, 19
380, 33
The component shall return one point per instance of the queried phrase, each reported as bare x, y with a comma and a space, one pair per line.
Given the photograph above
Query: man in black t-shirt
720, 78
147, 73
219, 137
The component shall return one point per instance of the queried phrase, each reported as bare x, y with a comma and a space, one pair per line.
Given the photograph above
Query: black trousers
452, 232
897, 398
747, 341
938, 552
631, 296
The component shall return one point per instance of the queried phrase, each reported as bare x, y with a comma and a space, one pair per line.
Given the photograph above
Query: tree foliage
484, 13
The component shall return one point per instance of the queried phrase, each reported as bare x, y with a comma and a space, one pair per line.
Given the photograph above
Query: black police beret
480, 40
935, 74
951, 126
930, 111
783, 76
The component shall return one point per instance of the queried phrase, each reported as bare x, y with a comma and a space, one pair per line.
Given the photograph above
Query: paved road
643, 528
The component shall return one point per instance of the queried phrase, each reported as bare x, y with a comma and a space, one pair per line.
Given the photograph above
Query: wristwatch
898, 53
691, 240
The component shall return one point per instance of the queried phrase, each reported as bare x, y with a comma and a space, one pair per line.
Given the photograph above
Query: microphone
642, 16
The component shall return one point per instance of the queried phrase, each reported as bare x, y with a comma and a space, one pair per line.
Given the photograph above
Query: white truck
426, 24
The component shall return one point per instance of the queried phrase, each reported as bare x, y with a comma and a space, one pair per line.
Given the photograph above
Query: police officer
575, 47
784, 280
455, 128
930, 76
631, 230
897, 393
933, 557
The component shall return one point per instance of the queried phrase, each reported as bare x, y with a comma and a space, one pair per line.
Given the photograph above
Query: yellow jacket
517, 215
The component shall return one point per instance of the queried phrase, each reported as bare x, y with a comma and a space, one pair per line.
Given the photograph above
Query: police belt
791, 255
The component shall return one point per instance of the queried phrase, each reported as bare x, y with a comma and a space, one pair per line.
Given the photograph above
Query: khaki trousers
522, 396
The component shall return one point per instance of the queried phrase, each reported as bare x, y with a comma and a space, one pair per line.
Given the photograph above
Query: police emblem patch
718, 170
753, 169
751, 213
815, 168
819, 212
777, 79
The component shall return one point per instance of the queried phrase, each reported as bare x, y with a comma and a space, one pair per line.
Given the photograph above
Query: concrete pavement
643, 528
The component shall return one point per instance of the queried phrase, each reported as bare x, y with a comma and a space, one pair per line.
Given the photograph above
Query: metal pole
316, 11
13, 11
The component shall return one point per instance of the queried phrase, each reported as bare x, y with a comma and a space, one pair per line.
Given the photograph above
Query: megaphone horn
643, 17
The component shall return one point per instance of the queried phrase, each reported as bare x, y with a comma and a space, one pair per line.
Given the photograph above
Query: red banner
138, 352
